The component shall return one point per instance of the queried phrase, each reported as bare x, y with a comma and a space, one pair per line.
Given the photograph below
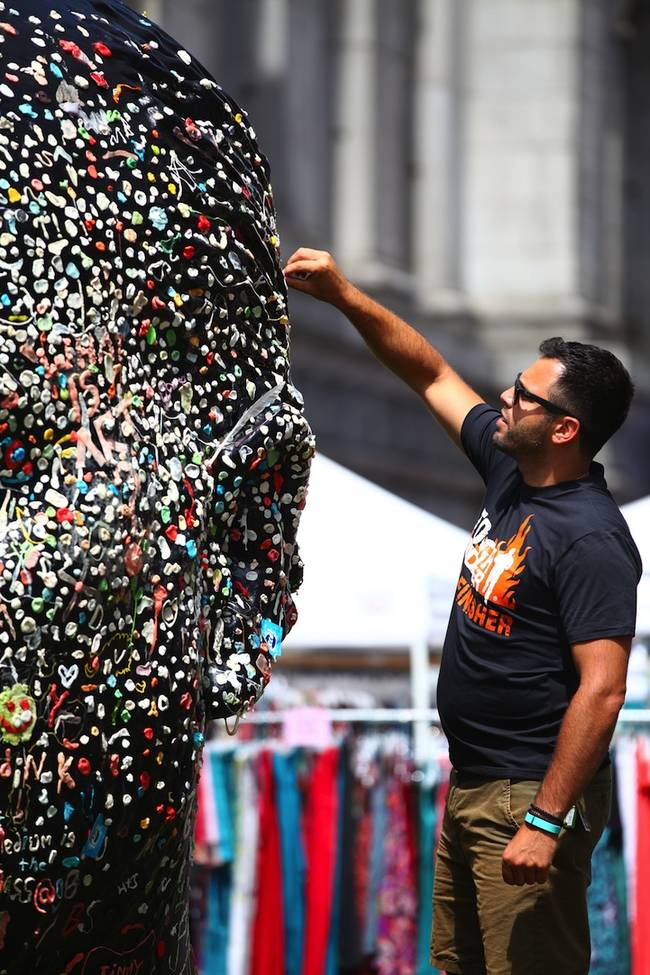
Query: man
535, 659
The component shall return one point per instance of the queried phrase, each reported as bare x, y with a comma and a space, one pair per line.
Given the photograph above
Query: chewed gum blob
17, 714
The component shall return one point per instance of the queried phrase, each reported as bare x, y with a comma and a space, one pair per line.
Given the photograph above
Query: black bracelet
549, 817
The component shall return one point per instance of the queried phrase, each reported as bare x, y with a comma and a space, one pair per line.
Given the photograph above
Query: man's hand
317, 274
528, 857
395, 343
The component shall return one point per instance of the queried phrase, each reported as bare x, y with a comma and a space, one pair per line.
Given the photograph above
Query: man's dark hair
595, 387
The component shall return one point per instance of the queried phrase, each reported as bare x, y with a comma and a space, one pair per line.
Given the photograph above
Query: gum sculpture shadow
154, 459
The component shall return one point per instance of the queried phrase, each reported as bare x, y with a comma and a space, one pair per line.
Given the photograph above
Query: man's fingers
519, 875
299, 267
307, 253
299, 285
315, 273
526, 859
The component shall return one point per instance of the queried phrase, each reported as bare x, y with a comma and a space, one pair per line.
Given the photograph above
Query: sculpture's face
154, 451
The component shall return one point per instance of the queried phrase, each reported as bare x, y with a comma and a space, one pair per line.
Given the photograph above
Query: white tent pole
420, 696
420, 677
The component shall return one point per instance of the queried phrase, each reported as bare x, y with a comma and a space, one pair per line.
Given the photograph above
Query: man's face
525, 427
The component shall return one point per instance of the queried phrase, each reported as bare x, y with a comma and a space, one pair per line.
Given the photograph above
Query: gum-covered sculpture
154, 459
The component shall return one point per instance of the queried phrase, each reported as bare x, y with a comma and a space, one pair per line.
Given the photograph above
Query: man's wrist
348, 299
557, 820
540, 824
549, 805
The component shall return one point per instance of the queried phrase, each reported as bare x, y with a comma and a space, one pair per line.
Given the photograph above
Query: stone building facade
480, 166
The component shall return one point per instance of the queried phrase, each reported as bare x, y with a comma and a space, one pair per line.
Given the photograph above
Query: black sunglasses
522, 393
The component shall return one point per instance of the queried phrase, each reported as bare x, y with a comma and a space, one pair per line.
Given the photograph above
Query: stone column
520, 245
355, 172
541, 241
272, 38
437, 179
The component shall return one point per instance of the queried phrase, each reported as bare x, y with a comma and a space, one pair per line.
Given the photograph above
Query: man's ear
566, 430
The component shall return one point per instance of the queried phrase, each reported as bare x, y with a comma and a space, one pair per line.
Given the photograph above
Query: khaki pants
483, 926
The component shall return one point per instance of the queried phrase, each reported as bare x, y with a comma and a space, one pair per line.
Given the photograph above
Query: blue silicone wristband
542, 824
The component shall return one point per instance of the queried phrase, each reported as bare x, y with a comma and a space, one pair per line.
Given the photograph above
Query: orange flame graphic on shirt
497, 565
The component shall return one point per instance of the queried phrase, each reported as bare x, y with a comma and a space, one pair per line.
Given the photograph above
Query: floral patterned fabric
397, 932
153, 466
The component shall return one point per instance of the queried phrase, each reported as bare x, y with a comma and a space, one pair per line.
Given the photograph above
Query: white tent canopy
637, 515
379, 572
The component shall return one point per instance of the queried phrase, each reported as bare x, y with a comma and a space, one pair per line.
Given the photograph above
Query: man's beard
523, 441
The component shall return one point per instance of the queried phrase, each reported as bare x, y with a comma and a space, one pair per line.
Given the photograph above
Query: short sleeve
596, 581
476, 439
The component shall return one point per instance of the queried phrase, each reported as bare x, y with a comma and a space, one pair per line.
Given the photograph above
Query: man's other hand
528, 857
316, 273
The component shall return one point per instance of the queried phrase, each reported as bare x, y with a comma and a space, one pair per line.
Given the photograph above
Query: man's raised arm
395, 343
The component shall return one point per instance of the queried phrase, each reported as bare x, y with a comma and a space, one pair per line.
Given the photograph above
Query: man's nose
508, 397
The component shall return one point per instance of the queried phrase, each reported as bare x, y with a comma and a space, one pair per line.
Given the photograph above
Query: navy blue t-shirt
544, 568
